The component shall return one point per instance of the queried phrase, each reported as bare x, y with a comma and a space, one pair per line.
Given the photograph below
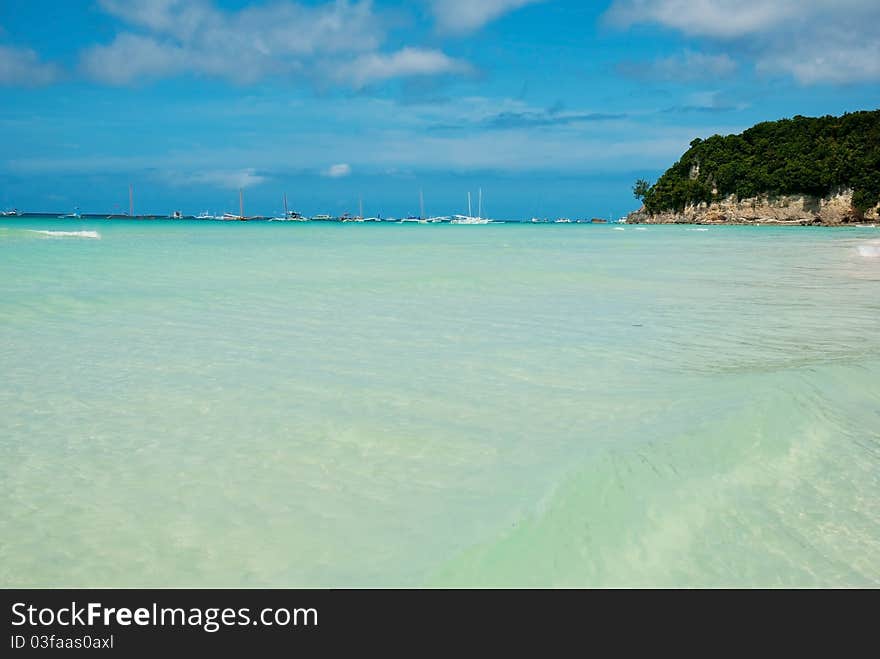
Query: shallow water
190, 403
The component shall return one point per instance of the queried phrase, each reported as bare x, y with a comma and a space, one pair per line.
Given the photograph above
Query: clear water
187, 403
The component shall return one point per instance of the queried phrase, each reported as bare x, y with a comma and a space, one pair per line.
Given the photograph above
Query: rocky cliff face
834, 209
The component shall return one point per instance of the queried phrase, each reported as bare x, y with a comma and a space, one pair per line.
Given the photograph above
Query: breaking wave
67, 234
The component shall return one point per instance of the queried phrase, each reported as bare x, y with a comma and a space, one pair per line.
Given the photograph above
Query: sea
192, 403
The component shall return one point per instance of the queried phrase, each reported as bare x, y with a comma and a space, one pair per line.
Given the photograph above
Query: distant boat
11, 213
469, 218
291, 216
206, 216
74, 215
562, 220
241, 216
323, 217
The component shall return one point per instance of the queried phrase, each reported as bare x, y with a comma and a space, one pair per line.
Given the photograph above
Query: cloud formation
338, 171
713, 18
545, 118
22, 66
815, 41
688, 66
387, 136
708, 102
462, 16
377, 67
230, 179
335, 41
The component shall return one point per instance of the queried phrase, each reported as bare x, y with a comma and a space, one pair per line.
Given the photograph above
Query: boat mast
469, 203
130, 200
241, 202
480, 205
361, 207
421, 205
285, 204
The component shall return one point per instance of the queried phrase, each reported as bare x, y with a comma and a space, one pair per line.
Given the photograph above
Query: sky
551, 107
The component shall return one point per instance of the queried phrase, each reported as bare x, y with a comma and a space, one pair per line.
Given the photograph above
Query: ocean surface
267, 404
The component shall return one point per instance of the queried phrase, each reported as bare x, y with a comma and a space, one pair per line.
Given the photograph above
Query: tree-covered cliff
793, 156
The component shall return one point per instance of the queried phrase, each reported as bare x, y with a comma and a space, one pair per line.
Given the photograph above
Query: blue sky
553, 107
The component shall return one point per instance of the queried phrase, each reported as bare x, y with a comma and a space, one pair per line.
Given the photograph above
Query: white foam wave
619, 229
67, 234
697, 229
869, 251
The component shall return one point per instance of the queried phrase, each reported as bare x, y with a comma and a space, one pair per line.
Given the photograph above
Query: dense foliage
793, 156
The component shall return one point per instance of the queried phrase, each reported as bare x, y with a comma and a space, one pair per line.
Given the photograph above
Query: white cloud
376, 67
338, 171
22, 66
816, 41
685, 67
231, 179
843, 62
460, 16
131, 57
337, 41
717, 18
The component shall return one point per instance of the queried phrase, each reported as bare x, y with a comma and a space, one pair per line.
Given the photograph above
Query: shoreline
767, 222
637, 218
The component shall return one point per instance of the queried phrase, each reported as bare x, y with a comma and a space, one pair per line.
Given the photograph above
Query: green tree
641, 189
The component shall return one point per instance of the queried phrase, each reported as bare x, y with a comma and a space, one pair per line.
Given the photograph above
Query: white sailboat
240, 216
289, 215
469, 218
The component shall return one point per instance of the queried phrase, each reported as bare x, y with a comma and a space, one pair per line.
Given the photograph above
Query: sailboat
360, 216
289, 215
240, 216
423, 218
74, 215
469, 218
420, 218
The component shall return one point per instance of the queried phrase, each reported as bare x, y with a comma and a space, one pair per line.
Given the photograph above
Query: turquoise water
234, 404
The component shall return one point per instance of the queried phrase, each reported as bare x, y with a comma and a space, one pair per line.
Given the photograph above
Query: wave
67, 234
754, 497
871, 250
697, 229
